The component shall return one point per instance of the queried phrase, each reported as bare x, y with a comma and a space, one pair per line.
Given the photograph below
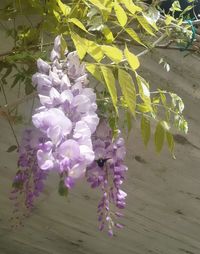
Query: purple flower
107, 172
28, 182
54, 123
67, 117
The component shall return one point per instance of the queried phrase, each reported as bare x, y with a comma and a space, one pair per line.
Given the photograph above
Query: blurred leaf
134, 35
65, 9
94, 50
121, 14
95, 71
28, 87
98, 4
110, 82
132, 59
159, 137
128, 89
130, 6
62, 189
129, 121
108, 34
113, 53
78, 23
145, 130
143, 22
63, 46
170, 142
79, 45
12, 148
144, 90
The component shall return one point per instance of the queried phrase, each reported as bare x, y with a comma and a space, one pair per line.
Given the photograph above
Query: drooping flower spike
67, 116
107, 172
65, 139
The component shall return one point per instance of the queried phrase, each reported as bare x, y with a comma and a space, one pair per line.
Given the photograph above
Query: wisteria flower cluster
107, 172
29, 180
65, 137
67, 117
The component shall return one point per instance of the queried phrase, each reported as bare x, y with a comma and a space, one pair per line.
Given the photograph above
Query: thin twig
154, 44
8, 53
6, 112
7, 107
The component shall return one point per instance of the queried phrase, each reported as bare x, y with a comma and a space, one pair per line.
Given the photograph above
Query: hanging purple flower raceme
28, 182
67, 116
107, 172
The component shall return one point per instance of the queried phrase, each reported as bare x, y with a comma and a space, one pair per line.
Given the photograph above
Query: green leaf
113, 53
108, 34
128, 89
130, 6
144, 108
98, 4
63, 46
79, 45
163, 98
129, 121
94, 50
78, 23
65, 9
170, 142
62, 189
165, 125
95, 71
145, 130
143, 22
12, 148
134, 36
28, 87
132, 59
144, 90
159, 137
121, 14
110, 82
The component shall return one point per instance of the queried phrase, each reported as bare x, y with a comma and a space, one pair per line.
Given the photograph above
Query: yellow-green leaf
130, 6
110, 82
170, 142
108, 34
63, 46
98, 4
95, 71
79, 45
132, 59
145, 130
78, 23
144, 107
65, 9
168, 19
143, 22
128, 89
134, 36
159, 137
165, 125
57, 15
94, 50
129, 119
144, 90
121, 14
113, 53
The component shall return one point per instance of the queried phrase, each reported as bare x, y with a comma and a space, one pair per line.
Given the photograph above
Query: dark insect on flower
101, 162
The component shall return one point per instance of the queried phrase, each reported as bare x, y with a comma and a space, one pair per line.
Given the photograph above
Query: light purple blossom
28, 182
107, 172
67, 117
